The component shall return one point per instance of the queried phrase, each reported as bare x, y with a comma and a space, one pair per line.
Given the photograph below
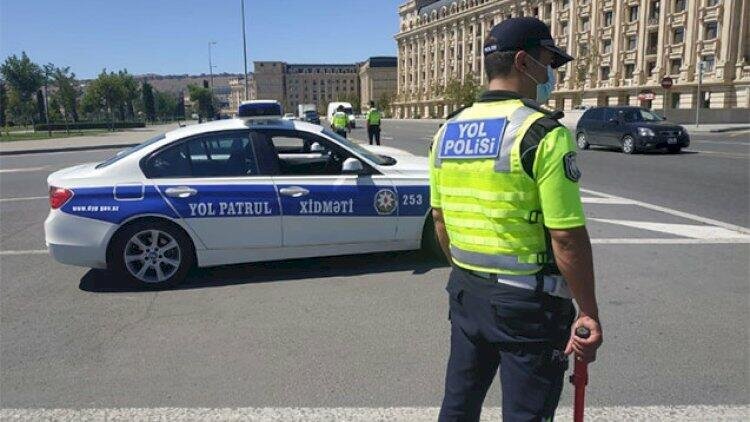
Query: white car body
245, 218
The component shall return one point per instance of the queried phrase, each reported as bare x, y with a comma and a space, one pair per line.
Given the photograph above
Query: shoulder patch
543, 108
572, 171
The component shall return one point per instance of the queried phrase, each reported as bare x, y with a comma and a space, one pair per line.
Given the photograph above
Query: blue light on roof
260, 109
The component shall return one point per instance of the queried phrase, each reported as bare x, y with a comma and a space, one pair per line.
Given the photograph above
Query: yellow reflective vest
373, 116
340, 120
490, 205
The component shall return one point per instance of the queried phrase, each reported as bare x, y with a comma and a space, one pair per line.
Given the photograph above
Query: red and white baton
579, 379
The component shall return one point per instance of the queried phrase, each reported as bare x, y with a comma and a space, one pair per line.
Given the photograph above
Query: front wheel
628, 144
152, 254
581, 141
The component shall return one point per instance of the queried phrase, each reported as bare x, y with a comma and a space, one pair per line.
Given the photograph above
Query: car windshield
639, 115
124, 153
380, 160
311, 113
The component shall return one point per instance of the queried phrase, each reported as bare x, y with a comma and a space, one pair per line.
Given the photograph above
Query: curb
65, 149
730, 129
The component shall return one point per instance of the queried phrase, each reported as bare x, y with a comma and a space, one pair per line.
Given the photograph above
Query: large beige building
377, 80
294, 84
237, 92
624, 49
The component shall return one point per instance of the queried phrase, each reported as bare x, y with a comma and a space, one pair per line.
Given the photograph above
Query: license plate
671, 140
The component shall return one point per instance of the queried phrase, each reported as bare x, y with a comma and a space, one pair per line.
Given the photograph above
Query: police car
252, 188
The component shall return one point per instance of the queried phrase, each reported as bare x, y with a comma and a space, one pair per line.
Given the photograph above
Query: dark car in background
312, 117
632, 129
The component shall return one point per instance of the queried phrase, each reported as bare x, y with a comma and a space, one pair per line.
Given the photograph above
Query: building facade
294, 84
624, 49
237, 95
377, 81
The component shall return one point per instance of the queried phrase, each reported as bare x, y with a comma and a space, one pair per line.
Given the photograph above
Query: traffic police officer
373, 124
508, 213
340, 121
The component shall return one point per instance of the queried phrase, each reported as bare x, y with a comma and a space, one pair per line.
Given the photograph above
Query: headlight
644, 131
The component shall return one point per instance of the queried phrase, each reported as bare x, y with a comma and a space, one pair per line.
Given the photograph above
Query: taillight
59, 196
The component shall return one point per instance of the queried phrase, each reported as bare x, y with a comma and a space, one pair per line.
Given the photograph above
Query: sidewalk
121, 139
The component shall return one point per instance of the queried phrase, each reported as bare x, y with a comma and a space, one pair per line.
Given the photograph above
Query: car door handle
294, 191
181, 192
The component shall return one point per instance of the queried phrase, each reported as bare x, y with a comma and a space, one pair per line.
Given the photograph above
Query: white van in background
332, 107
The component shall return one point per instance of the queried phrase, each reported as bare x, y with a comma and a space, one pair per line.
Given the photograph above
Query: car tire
151, 254
628, 145
674, 149
581, 141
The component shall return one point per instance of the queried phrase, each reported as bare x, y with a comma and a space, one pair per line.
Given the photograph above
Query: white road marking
22, 170
25, 252
673, 212
664, 241
23, 198
366, 414
686, 230
606, 201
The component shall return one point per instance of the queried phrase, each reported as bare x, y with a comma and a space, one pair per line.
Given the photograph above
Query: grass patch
30, 136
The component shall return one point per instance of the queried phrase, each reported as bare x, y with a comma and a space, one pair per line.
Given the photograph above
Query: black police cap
524, 34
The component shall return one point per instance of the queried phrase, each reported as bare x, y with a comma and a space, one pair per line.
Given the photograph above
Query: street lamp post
244, 48
211, 66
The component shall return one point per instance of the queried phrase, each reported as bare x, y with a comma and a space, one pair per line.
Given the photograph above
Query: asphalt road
371, 331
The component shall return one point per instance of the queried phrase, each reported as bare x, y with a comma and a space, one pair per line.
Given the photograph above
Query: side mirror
352, 166
316, 147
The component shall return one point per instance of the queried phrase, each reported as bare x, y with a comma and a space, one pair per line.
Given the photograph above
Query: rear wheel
152, 254
628, 144
581, 141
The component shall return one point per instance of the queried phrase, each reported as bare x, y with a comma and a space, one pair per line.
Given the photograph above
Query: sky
171, 36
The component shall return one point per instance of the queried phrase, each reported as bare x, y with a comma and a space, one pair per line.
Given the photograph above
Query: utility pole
211, 66
244, 48
47, 69
700, 97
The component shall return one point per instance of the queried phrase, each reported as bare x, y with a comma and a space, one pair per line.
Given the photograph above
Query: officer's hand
585, 349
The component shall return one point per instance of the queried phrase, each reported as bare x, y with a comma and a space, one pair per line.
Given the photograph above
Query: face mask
544, 90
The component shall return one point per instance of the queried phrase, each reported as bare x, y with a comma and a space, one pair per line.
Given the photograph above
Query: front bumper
76, 240
662, 141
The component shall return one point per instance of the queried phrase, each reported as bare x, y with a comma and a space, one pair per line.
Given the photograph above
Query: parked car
311, 116
632, 129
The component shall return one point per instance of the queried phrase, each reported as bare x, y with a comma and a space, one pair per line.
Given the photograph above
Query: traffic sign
666, 82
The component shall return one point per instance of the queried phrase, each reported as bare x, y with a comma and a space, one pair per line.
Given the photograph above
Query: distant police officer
373, 118
340, 121
508, 213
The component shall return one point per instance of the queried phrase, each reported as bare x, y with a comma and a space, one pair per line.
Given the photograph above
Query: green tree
165, 105
180, 109
24, 77
130, 91
383, 103
148, 101
40, 105
105, 93
203, 99
585, 67
459, 93
67, 92
3, 104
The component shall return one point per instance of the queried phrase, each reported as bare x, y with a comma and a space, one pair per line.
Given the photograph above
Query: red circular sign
666, 82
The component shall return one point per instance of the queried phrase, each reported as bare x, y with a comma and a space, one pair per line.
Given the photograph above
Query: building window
604, 72
564, 27
564, 4
547, 11
709, 63
678, 35
606, 46
674, 66
560, 75
535, 12
675, 100
583, 49
632, 42
650, 67
712, 2
633, 13
679, 5
654, 10
711, 30
629, 70
653, 42
585, 27
607, 18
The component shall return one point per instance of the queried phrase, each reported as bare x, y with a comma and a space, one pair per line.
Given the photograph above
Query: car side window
609, 114
226, 154
596, 114
301, 153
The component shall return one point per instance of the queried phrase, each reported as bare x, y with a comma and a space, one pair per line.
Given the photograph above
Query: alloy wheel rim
627, 145
152, 256
581, 141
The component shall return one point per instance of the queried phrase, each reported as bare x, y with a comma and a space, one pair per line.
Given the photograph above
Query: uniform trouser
521, 332
341, 132
373, 133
